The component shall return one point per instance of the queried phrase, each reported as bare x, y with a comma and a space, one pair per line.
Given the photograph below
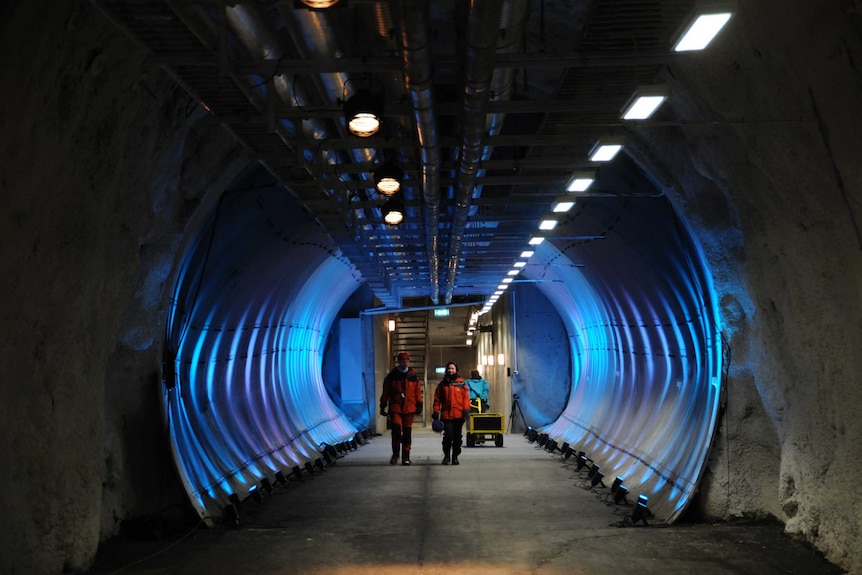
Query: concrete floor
510, 510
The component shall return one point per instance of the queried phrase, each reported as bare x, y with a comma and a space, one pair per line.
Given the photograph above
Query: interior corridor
512, 510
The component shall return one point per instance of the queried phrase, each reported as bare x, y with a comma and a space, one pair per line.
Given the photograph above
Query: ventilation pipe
485, 20
412, 18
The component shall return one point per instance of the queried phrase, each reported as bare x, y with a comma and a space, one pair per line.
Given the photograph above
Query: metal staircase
411, 335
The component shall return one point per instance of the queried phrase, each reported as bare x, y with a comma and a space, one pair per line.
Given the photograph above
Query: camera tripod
516, 407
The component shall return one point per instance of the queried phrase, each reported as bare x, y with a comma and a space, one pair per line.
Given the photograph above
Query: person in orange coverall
402, 395
451, 406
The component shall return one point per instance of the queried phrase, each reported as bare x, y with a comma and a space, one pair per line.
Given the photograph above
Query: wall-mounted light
580, 181
387, 178
644, 102
501, 359
391, 325
484, 360
490, 360
547, 224
469, 342
605, 149
363, 113
703, 25
562, 205
393, 211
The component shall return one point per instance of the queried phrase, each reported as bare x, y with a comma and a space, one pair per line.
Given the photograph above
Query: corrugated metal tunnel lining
258, 290
261, 286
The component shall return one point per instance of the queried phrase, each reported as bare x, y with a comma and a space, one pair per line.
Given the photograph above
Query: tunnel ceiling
488, 110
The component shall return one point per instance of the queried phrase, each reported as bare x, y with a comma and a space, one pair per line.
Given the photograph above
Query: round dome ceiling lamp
393, 212
387, 179
319, 4
363, 113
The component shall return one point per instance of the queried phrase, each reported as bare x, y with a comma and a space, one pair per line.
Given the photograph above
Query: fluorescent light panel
580, 181
547, 225
562, 206
605, 150
702, 30
644, 102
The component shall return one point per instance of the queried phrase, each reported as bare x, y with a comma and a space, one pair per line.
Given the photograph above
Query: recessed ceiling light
704, 26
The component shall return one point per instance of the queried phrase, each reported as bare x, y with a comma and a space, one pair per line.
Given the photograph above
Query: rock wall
764, 165
102, 160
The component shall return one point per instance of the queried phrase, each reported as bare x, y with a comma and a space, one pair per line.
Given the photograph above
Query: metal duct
313, 37
485, 21
412, 18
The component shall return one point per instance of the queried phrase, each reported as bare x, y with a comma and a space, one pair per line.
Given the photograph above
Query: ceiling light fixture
605, 150
562, 205
706, 21
644, 102
580, 181
387, 178
547, 224
363, 112
520, 264
527, 253
536, 240
393, 211
317, 4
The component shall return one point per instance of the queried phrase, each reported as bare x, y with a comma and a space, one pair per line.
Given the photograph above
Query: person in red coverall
451, 406
402, 395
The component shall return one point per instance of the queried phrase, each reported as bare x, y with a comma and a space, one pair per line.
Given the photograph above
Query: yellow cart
482, 427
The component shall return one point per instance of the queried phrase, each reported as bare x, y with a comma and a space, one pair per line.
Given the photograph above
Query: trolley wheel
498, 440
471, 441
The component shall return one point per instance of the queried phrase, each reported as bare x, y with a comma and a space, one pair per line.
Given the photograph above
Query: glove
435, 416
418, 407
383, 411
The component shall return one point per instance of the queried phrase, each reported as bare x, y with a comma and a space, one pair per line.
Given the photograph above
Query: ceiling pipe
312, 38
482, 81
412, 18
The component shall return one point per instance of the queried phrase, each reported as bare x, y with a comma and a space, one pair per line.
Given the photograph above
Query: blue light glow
254, 298
645, 338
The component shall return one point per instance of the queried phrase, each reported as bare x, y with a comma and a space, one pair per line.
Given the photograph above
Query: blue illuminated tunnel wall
636, 298
256, 293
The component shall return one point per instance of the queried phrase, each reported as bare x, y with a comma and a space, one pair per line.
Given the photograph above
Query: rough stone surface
103, 162
103, 159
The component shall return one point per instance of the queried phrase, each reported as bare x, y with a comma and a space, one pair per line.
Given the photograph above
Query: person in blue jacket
478, 388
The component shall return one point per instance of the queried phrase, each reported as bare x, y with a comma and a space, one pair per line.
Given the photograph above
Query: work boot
455, 460
446, 460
